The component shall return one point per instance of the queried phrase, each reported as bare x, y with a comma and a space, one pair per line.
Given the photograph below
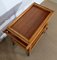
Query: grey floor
45, 49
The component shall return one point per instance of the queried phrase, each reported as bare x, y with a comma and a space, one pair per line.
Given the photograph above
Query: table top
27, 25
30, 21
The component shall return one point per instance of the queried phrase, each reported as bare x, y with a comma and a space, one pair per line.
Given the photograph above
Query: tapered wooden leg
13, 43
29, 51
45, 28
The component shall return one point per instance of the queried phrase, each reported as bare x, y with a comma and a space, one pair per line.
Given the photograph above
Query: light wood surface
28, 27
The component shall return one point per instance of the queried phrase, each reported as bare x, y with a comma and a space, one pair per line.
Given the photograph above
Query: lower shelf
27, 47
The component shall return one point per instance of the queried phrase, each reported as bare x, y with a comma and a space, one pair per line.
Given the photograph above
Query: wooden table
27, 28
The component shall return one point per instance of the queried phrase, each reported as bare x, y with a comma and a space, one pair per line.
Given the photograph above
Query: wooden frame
24, 41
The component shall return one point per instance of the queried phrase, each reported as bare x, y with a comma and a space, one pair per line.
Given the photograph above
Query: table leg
45, 28
29, 51
13, 43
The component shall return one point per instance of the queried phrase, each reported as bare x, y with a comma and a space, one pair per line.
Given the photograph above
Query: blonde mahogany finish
27, 28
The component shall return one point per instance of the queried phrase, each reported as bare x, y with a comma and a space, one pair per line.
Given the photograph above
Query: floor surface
45, 49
